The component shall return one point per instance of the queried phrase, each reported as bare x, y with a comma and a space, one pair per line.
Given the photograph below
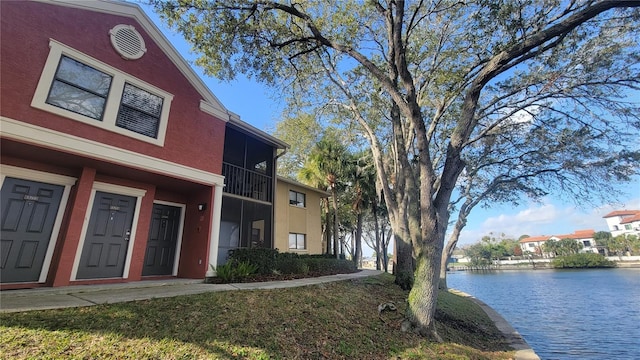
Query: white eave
304, 186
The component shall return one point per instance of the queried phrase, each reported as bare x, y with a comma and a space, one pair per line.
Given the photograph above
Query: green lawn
331, 321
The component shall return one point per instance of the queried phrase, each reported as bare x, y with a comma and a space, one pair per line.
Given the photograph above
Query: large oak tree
436, 85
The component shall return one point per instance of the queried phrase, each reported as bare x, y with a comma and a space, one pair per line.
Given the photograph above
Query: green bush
244, 269
579, 261
264, 259
288, 263
234, 271
328, 265
270, 261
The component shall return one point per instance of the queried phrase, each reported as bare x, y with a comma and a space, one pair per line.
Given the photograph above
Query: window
296, 199
79, 87
627, 226
297, 241
532, 245
586, 243
139, 111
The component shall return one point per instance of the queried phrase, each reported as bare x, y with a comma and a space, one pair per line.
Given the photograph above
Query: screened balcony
247, 183
248, 167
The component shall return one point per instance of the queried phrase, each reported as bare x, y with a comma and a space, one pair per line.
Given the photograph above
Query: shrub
234, 271
578, 261
291, 265
270, 261
264, 259
224, 272
328, 265
244, 269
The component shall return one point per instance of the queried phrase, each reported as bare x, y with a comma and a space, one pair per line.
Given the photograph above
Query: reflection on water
565, 314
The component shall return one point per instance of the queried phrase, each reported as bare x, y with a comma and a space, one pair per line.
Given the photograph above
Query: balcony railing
247, 183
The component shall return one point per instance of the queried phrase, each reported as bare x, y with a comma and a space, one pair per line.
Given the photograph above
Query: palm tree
550, 247
361, 177
310, 174
327, 162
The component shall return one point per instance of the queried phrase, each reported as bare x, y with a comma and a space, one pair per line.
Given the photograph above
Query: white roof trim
304, 186
47, 138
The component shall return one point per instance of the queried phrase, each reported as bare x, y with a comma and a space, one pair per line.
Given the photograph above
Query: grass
331, 321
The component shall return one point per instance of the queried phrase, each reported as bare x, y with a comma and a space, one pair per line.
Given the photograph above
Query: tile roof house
534, 244
623, 222
584, 237
118, 163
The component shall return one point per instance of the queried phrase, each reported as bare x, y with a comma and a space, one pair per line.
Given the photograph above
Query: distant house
298, 218
583, 237
534, 244
623, 222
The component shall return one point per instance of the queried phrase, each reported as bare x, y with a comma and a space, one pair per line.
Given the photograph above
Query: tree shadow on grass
329, 321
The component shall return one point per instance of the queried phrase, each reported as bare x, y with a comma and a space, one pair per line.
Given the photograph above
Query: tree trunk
358, 242
423, 296
378, 244
446, 255
404, 265
385, 250
334, 193
328, 227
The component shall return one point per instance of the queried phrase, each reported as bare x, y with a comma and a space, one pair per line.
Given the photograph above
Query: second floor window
139, 111
79, 88
297, 199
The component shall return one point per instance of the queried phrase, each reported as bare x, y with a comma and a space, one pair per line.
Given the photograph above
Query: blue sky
257, 106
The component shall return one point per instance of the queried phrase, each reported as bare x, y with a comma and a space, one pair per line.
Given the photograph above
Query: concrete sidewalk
88, 295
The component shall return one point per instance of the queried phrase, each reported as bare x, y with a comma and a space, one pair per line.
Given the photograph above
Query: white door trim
183, 208
56, 179
114, 189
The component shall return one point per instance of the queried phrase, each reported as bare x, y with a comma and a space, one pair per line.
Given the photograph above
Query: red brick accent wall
66, 250
193, 138
197, 229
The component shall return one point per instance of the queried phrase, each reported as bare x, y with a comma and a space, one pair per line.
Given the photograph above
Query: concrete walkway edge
88, 295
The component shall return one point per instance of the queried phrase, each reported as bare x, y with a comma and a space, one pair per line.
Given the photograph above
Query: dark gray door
162, 242
29, 210
108, 234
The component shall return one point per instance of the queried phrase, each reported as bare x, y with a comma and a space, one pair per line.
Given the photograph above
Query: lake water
564, 314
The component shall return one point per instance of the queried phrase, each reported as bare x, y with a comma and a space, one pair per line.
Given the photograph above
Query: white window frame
304, 238
114, 97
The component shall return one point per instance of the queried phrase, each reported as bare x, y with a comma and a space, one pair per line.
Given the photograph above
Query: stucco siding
294, 219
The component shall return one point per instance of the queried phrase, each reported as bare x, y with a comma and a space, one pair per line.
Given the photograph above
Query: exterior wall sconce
202, 207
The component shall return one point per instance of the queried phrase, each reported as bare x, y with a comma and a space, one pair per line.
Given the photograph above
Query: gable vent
127, 42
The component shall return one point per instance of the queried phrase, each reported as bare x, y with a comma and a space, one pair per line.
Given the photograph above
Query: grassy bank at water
331, 321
